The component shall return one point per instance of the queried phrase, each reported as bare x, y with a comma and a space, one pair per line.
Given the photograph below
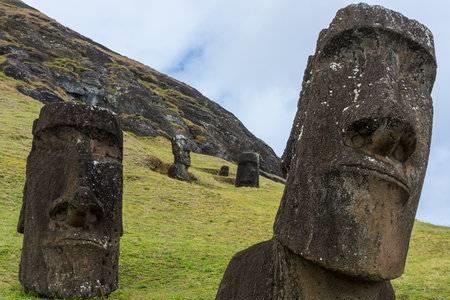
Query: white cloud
155, 32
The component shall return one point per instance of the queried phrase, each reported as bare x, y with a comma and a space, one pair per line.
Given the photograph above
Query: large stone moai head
182, 158
71, 216
248, 170
361, 144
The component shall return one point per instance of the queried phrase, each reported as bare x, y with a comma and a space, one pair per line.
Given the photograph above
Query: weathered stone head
248, 170
360, 143
182, 158
181, 150
224, 171
71, 216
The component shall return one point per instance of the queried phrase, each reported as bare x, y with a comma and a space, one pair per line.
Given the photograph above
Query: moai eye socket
359, 140
76, 218
84, 216
94, 214
59, 210
104, 149
77, 213
385, 137
359, 133
406, 146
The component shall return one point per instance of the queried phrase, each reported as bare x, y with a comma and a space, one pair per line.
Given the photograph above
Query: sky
249, 56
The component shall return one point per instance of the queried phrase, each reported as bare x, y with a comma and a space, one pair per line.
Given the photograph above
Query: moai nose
385, 137
84, 210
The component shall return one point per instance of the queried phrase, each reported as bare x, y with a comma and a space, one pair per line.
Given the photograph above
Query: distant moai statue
71, 215
224, 171
182, 158
248, 170
355, 160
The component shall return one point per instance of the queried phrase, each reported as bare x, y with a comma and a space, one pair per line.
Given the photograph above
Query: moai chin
182, 158
356, 161
71, 215
248, 170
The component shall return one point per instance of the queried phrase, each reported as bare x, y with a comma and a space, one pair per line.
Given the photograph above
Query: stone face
248, 170
355, 162
362, 144
71, 215
224, 171
182, 158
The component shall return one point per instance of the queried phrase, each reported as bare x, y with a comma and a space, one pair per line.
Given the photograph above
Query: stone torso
269, 271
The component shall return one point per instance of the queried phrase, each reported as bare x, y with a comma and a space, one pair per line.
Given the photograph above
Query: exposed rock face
224, 171
356, 162
182, 158
71, 216
248, 170
52, 62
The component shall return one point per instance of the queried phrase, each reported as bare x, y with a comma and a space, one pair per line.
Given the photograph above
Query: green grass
68, 66
178, 236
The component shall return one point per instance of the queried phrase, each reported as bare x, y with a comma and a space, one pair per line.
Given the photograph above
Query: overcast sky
249, 56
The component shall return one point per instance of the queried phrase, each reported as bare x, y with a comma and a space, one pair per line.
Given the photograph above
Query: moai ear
21, 223
289, 151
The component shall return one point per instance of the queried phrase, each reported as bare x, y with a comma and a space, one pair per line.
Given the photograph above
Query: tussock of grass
68, 66
179, 236
155, 164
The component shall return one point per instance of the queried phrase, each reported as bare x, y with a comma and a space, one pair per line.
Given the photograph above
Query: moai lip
71, 215
355, 164
182, 159
248, 170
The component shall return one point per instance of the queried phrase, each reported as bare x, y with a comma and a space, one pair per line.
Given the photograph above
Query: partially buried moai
224, 171
182, 158
356, 161
248, 170
71, 215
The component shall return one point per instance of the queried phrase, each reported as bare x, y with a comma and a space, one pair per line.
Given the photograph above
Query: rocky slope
53, 63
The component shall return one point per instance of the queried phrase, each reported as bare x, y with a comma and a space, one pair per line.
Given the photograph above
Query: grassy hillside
53, 63
179, 237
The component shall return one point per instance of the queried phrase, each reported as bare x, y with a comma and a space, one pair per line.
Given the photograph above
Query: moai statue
224, 171
71, 216
182, 158
357, 159
248, 170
